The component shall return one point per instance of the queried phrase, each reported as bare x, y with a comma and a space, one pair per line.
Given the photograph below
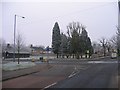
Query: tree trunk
81, 55
57, 55
86, 55
118, 52
77, 55
18, 56
67, 56
104, 52
62, 56
73, 55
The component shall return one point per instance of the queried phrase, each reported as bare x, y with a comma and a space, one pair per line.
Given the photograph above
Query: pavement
6, 75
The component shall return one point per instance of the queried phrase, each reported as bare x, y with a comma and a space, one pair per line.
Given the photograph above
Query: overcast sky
100, 19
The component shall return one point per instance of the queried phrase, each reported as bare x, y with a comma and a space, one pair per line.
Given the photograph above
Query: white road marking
76, 71
72, 75
102, 62
50, 85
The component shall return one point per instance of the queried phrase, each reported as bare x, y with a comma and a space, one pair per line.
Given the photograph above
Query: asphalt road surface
96, 76
71, 74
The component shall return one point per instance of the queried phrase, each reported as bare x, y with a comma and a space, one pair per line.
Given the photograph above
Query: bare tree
74, 26
3, 44
2, 47
109, 46
118, 40
104, 42
114, 40
19, 45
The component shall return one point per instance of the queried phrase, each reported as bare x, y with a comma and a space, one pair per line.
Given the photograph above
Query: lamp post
15, 33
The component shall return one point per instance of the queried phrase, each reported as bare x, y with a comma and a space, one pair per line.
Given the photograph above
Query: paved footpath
22, 72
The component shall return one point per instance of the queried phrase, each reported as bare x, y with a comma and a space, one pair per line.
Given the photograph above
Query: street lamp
14, 33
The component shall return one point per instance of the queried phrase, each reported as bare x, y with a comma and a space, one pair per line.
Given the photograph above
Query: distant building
36, 50
8, 52
48, 50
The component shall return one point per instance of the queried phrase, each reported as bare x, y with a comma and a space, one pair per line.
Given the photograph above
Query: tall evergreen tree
85, 43
63, 45
56, 39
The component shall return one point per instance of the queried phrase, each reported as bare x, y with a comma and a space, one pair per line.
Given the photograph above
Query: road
96, 76
71, 74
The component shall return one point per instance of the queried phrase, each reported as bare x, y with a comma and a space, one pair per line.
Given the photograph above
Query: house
36, 50
8, 52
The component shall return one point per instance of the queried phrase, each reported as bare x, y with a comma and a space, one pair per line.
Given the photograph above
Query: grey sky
100, 18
